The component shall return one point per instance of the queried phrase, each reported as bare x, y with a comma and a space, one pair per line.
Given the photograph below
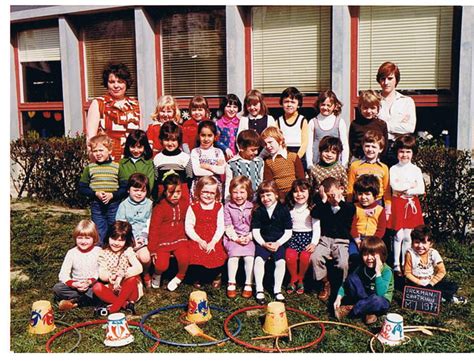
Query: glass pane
42, 81
45, 123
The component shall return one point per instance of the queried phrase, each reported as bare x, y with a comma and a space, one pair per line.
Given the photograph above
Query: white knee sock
406, 243
232, 266
397, 248
248, 264
259, 272
280, 268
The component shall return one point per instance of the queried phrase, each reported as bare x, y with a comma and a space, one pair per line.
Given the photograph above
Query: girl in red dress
205, 227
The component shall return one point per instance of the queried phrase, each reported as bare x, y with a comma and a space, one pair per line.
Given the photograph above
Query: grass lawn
41, 236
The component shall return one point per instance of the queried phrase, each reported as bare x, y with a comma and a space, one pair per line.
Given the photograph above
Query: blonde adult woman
114, 113
396, 109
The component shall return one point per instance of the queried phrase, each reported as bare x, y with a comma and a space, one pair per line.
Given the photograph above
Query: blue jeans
103, 215
364, 304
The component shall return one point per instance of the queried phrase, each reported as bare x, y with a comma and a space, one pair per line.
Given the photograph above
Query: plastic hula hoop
272, 349
172, 343
94, 322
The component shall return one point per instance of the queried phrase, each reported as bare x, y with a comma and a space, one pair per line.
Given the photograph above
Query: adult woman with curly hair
114, 113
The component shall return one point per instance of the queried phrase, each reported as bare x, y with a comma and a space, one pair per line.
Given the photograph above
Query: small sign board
421, 300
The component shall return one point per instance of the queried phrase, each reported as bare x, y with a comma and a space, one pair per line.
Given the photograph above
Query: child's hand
378, 265
153, 257
271, 246
107, 197
357, 241
220, 162
310, 248
339, 197
337, 302
210, 247
424, 282
83, 286
139, 242
206, 166
228, 154
322, 194
202, 244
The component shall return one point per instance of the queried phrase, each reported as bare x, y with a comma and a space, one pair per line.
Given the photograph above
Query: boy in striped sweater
100, 183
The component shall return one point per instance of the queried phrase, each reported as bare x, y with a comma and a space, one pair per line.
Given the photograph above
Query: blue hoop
171, 343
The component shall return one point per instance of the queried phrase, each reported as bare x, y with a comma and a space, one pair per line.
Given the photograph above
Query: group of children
252, 188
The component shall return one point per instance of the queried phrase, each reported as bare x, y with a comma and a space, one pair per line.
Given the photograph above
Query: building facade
58, 53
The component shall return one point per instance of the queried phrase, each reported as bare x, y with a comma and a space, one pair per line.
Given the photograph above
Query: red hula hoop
272, 349
98, 322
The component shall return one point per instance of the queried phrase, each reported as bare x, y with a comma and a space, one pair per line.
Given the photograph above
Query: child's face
208, 194
268, 199
116, 245
254, 109
84, 242
231, 110
249, 153
365, 198
405, 155
290, 106
198, 114
272, 145
100, 153
388, 84
327, 107
329, 156
206, 138
137, 150
170, 144
369, 111
173, 194
137, 194
421, 246
166, 113
301, 196
334, 193
371, 151
239, 195
369, 260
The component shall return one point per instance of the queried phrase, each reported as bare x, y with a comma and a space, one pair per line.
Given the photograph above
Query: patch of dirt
19, 276
25, 206
456, 324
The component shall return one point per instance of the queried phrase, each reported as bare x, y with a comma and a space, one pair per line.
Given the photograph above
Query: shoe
260, 297
370, 319
216, 283
342, 311
231, 291
279, 297
66, 305
197, 285
155, 281
326, 291
247, 291
459, 300
147, 280
300, 289
130, 307
173, 284
101, 312
291, 288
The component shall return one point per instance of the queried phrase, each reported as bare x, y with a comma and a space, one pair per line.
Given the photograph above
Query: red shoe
247, 291
231, 293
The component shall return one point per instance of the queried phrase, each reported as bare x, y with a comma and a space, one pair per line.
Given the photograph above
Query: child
238, 241
282, 166
167, 234
271, 229
100, 183
166, 110
119, 270
424, 266
199, 111
368, 290
245, 163
206, 159
228, 125
330, 149
137, 157
306, 234
366, 119
293, 125
171, 158
335, 216
407, 183
327, 123
136, 210
79, 270
372, 145
204, 225
256, 115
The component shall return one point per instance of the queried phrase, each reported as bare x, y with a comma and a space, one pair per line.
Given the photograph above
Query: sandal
231, 293
291, 288
197, 285
247, 291
300, 289
217, 283
260, 300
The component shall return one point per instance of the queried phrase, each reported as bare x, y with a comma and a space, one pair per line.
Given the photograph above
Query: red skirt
406, 213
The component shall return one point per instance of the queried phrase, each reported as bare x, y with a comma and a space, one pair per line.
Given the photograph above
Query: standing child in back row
255, 115
327, 123
198, 111
228, 125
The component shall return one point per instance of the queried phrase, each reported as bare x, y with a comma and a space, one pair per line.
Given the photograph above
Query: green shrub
50, 168
448, 203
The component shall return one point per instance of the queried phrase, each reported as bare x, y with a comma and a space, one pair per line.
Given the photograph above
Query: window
417, 38
108, 38
194, 53
291, 46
